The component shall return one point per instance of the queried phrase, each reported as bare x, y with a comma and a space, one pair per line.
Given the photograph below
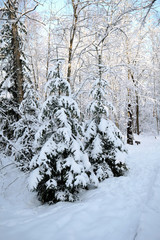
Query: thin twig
11, 183
7, 165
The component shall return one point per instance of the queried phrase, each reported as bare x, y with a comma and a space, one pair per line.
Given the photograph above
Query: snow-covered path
125, 208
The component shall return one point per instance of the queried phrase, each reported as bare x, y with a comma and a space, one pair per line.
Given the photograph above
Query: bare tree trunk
72, 36
17, 53
100, 65
130, 116
157, 120
49, 45
18, 63
130, 125
129, 106
137, 114
33, 70
155, 112
48, 53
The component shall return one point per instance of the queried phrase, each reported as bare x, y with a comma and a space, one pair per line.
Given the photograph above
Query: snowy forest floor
124, 208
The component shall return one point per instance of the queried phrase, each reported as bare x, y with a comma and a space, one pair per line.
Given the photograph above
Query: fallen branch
11, 183
7, 166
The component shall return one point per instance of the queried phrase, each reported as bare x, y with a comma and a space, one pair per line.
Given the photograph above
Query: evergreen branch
7, 140
2, 9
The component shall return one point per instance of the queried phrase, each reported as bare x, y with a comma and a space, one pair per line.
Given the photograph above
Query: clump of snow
34, 178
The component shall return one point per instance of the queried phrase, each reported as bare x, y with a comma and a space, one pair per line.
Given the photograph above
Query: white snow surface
124, 208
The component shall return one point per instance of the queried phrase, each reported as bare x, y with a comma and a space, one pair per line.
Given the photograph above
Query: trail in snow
125, 208
149, 223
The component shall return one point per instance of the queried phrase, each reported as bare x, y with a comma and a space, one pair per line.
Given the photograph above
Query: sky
60, 6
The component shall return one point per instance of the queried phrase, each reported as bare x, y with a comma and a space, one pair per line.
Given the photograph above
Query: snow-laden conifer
103, 140
13, 65
26, 128
61, 167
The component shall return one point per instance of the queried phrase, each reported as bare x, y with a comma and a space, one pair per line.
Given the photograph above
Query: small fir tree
61, 166
26, 128
103, 140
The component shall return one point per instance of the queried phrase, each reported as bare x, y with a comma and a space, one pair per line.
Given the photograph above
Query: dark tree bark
16, 49
130, 125
137, 115
72, 36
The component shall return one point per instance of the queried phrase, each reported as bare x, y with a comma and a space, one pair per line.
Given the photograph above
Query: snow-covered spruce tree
13, 68
61, 167
103, 140
26, 128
